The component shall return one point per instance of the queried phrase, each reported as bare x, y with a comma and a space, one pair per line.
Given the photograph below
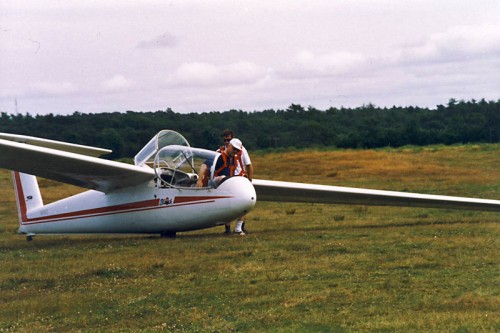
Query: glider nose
243, 193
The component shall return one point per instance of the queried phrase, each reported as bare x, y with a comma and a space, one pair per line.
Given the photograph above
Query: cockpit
175, 162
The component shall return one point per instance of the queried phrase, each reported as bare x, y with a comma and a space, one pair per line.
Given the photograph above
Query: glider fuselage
140, 209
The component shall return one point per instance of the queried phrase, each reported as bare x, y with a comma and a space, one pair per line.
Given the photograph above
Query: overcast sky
193, 56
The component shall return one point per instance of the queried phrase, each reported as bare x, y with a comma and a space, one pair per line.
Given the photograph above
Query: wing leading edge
59, 145
297, 192
71, 168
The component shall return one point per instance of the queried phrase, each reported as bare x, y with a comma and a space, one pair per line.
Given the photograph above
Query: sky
195, 56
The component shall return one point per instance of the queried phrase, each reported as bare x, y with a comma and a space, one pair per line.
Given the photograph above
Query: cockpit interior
175, 162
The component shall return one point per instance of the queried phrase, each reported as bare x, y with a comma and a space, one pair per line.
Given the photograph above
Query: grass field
302, 268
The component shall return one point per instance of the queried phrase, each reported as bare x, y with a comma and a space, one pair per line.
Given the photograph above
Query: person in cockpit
224, 166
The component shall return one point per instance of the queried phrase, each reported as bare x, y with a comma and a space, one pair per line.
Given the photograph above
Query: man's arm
249, 170
245, 158
203, 176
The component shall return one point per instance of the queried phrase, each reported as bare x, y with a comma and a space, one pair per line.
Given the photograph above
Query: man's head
227, 135
234, 147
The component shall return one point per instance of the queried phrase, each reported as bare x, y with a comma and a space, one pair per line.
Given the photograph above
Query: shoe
227, 232
241, 233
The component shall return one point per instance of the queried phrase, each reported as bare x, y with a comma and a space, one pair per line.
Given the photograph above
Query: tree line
297, 126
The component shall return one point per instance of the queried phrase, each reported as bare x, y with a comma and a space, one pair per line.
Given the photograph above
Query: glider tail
27, 195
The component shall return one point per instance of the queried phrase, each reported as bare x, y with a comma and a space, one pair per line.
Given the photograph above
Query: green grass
302, 268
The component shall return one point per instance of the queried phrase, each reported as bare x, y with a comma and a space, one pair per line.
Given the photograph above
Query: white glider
158, 193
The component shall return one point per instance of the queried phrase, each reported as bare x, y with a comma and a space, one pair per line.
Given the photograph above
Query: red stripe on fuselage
180, 200
20, 197
120, 209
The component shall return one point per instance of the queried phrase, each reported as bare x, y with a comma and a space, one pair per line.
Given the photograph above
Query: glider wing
80, 169
59, 145
297, 192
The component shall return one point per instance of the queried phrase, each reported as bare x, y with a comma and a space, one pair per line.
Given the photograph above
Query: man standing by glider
225, 166
243, 168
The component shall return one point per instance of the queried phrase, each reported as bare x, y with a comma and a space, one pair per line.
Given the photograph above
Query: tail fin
27, 194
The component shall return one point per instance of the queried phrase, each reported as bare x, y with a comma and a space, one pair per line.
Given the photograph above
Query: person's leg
240, 225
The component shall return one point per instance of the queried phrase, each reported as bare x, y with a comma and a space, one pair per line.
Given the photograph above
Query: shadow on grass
414, 224
326, 227
54, 242
18, 242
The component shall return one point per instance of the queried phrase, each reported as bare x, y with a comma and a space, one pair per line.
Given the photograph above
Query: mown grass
302, 268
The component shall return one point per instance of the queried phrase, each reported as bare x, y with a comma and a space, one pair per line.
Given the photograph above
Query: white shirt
245, 159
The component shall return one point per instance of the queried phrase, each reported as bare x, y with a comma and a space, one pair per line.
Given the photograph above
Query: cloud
52, 88
203, 74
308, 65
457, 43
117, 83
164, 41
457, 59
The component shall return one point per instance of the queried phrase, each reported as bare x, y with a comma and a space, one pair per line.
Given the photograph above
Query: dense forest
367, 126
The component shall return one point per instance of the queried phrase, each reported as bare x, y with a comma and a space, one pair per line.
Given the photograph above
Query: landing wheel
29, 238
168, 234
